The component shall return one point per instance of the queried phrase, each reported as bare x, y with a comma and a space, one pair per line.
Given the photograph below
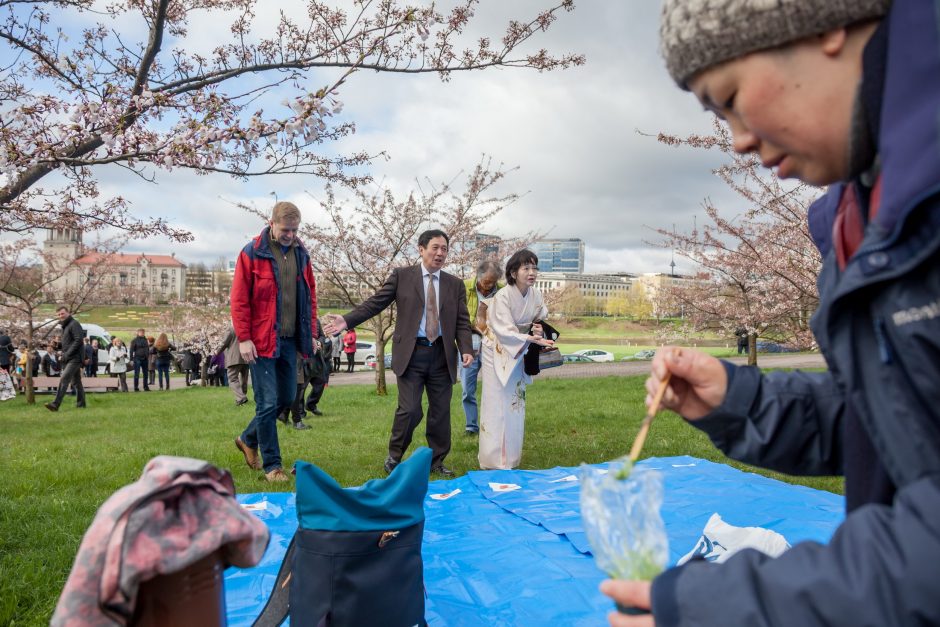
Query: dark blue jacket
878, 325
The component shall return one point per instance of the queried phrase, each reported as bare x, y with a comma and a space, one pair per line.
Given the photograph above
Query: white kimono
502, 415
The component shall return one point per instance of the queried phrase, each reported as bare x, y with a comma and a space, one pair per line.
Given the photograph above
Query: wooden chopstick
645, 426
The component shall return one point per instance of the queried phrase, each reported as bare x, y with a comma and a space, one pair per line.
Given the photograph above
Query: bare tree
31, 278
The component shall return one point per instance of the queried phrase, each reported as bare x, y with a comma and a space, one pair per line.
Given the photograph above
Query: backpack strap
278, 605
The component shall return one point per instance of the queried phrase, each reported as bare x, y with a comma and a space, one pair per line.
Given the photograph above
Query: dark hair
516, 261
425, 238
62, 308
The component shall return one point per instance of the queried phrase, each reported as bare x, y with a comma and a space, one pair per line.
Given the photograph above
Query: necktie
431, 323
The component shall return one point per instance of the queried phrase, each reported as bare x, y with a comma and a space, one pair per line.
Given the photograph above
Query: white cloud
584, 169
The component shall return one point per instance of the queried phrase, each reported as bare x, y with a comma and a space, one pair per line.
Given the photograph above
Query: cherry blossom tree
355, 249
27, 278
200, 327
131, 89
757, 269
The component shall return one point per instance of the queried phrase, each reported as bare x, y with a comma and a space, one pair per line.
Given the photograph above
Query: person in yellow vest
480, 288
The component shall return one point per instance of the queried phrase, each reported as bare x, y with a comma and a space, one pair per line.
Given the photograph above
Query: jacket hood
909, 138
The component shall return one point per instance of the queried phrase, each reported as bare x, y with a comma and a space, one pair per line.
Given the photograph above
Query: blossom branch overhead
74, 102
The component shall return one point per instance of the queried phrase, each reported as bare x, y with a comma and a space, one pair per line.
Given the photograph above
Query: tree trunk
752, 349
379, 326
28, 379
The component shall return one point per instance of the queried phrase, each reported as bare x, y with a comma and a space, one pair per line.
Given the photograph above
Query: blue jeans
274, 380
163, 369
468, 380
141, 363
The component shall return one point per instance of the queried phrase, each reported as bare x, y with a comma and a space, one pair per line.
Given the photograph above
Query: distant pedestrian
164, 355
117, 362
88, 354
236, 368
6, 352
152, 359
336, 352
72, 347
349, 347
140, 353
319, 376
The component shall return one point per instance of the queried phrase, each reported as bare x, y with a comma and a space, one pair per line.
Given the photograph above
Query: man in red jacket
274, 314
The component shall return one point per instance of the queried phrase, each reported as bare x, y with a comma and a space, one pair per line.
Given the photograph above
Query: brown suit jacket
404, 288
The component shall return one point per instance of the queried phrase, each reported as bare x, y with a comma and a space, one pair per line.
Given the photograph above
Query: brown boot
276, 476
251, 454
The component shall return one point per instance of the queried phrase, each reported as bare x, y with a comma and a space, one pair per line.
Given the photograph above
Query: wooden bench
89, 383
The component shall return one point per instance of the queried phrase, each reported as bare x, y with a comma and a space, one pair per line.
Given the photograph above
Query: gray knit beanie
697, 34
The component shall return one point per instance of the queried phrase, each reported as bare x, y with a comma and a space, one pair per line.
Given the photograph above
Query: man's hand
467, 359
698, 384
541, 341
247, 350
629, 594
336, 323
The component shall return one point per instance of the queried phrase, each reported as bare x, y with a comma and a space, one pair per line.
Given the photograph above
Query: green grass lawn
58, 468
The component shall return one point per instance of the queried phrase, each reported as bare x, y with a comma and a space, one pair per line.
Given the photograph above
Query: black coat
73, 341
6, 350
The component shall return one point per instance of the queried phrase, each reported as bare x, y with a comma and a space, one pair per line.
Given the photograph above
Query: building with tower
133, 277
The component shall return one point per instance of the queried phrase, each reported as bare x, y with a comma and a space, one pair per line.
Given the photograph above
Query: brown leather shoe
276, 476
251, 454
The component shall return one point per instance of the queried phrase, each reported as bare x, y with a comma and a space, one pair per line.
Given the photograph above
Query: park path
610, 369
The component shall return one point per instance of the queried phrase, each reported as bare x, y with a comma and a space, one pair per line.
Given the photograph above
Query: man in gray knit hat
844, 94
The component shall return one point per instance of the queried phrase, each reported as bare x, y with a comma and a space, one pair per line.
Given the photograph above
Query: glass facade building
560, 255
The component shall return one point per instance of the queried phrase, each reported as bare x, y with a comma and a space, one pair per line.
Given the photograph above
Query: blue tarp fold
520, 557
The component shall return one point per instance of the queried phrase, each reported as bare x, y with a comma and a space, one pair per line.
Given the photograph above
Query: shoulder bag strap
278, 605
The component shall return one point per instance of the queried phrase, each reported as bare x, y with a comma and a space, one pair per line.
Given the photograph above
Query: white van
94, 332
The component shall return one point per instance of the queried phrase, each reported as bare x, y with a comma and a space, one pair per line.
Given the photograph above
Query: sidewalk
610, 369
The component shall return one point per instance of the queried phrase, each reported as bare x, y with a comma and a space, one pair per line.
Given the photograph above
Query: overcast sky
585, 169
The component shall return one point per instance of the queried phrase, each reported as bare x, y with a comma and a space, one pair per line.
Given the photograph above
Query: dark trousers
427, 369
71, 375
336, 364
140, 364
350, 361
317, 385
163, 369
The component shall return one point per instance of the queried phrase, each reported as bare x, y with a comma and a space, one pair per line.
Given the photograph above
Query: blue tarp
521, 557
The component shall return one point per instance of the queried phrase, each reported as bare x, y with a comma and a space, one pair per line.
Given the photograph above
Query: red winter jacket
256, 305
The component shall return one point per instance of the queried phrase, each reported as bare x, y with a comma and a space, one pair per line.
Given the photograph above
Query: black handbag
533, 360
356, 556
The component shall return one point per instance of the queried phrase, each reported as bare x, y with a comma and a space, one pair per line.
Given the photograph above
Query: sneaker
300, 426
251, 454
283, 418
241, 402
471, 432
390, 464
52, 407
316, 412
276, 476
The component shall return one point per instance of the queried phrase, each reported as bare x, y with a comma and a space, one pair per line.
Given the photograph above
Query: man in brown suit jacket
432, 324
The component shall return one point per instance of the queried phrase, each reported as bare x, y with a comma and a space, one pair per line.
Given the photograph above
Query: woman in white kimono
510, 326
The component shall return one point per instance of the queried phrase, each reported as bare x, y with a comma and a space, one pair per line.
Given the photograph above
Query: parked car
364, 352
773, 347
595, 354
95, 332
574, 359
372, 362
643, 355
